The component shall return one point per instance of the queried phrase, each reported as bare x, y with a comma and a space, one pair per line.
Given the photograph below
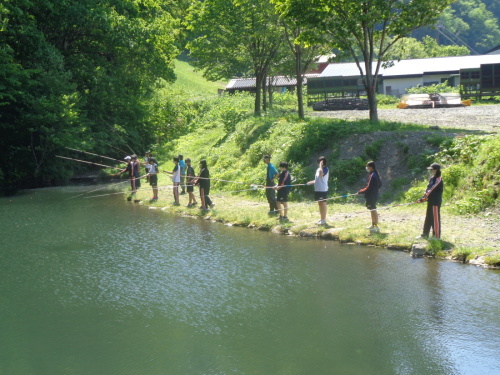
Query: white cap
127, 158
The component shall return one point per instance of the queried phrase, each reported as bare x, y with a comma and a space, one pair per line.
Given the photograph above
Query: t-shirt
190, 174
176, 174
271, 172
182, 164
204, 181
321, 182
285, 180
153, 168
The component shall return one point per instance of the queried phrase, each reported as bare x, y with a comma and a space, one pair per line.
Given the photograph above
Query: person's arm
368, 185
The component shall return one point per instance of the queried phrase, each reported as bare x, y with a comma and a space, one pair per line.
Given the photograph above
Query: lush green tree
78, 73
411, 48
366, 29
234, 36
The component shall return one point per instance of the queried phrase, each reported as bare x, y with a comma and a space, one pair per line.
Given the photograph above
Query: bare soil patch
480, 118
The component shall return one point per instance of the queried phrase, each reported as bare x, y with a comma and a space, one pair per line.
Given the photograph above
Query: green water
103, 286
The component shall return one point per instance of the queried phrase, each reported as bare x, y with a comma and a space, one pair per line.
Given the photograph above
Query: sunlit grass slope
190, 80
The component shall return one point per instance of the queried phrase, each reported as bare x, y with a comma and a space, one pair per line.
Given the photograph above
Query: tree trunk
270, 93
298, 74
372, 102
258, 89
264, 93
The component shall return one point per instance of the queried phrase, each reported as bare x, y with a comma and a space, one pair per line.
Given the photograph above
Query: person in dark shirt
434, 197
371, 194
190, 176
203, 181
283, 189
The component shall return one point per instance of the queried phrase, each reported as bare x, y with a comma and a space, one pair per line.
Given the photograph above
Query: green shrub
387, 99
492, 260
435, 247
439, 87
461, 254
373, 150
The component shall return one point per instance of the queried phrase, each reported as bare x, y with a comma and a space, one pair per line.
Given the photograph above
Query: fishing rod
90, 153
87, 162
101, 188
311, 202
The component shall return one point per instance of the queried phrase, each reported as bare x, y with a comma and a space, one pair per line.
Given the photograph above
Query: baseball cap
434, 166
127, 158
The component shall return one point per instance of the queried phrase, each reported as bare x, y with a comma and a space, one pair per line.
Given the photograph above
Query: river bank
467, 239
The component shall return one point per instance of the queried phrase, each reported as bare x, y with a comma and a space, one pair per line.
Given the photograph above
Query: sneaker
284, 218
375, 229
182, 192
176, 204
212, 205
370, 227
321, 222
422, 237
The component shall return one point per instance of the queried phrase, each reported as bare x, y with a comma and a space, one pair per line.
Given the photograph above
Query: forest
98, 75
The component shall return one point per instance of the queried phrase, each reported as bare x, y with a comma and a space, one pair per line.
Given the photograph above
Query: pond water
105, 286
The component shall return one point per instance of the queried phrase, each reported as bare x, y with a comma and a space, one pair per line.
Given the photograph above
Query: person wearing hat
434, 196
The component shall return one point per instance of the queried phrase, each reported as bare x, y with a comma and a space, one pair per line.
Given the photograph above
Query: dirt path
481, 118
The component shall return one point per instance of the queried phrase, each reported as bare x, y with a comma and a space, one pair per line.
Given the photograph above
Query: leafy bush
387, 99
373, 150
437, 88
492, 260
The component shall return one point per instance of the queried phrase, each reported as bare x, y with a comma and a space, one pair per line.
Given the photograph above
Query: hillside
192, 81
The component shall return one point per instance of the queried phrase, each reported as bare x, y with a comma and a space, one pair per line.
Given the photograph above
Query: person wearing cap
434, 196
153, 177
129, 169
271, 175
189, 183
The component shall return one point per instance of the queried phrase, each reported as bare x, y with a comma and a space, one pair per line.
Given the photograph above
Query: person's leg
208, 201
202, 198
429, 219
436, 223
269, 196
285, 209
132, 183
374, 215
278, 204
322, 210
176, 192
183, 184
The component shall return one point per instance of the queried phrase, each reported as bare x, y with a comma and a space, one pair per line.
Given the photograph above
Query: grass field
190, 80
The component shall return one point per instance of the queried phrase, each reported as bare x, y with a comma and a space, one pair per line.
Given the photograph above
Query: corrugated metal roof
415, 66
278, 81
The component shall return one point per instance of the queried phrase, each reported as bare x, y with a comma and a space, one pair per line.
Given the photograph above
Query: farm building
479, 75
278, 83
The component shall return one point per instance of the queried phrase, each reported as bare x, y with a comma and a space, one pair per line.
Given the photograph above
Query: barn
479, 76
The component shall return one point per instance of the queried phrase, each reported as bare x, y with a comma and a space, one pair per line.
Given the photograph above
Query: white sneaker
321, 222
375, 229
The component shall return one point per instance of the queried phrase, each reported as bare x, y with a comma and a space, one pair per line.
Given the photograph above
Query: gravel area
481, 118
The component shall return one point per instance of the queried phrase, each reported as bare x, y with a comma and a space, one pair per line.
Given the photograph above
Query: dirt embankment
481, 118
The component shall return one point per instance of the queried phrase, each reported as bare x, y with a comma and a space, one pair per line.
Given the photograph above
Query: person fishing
203, 181
153, 177
129, 169
434, 197
283, 188
271, 175
321, 188
371, 194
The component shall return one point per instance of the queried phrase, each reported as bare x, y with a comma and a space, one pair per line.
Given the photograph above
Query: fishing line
90, 153
87, 162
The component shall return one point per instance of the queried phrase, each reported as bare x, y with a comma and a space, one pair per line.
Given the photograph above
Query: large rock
418, 250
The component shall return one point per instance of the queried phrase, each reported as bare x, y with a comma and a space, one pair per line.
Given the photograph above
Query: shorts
189, 188
282, 195
320, 195
371, 204
137, 182
153, 179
